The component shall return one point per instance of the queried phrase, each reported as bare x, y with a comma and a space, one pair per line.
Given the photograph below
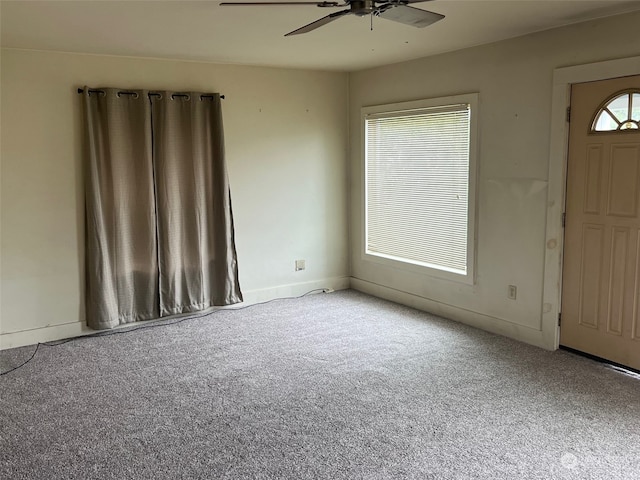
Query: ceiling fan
396, 10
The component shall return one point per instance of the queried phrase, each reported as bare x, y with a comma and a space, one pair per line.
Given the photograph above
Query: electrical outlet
512, 292
300, 265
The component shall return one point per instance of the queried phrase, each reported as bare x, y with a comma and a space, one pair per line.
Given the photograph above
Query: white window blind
417, 186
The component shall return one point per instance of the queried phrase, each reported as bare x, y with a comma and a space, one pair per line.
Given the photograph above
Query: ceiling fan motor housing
362, 7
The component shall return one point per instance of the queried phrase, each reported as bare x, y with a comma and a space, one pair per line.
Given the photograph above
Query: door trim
558, 156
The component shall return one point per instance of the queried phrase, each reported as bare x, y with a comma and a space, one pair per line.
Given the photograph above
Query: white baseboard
294, 289
78, 329
49, 333
468, 317
474, 319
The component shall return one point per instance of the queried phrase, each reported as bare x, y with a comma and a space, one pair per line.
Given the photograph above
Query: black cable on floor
24, 363
157, 323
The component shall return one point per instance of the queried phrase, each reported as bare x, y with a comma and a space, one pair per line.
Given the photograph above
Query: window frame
472, 99
603, 107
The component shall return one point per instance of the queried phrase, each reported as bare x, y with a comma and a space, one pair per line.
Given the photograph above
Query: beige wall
288, 152
286, 146
514, 79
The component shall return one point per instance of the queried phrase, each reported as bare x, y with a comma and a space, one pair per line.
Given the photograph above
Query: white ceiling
205, 31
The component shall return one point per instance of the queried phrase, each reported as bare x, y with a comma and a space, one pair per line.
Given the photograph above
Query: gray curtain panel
160, 238
197, 255
121, 256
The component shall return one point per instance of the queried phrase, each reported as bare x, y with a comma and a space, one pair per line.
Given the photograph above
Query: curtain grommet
132, 94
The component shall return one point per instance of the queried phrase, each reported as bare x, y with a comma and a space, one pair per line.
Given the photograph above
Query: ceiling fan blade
319, 23
253, 4
410, 15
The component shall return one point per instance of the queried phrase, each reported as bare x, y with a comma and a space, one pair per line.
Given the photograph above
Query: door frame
563, 78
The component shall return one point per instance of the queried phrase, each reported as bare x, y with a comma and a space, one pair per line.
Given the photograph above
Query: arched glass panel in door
620, 112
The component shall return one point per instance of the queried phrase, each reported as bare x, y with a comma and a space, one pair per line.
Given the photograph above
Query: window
420, 185
620, 112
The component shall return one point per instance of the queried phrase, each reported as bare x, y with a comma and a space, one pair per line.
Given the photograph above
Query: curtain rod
151, 94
